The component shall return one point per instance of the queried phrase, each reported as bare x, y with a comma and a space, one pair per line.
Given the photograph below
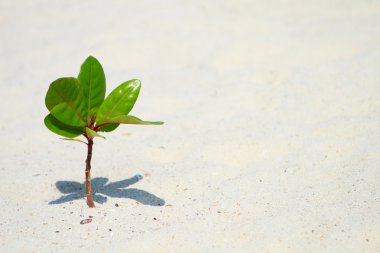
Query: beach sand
271, 140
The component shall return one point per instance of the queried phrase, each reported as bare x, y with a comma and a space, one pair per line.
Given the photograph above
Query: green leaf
109, 128
59, 128
93, 82
64, 100
91, 133
119, 102
129, 119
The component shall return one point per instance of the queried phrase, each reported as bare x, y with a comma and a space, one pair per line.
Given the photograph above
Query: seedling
77, 107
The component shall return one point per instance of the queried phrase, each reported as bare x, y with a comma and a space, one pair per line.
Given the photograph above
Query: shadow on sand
102, 188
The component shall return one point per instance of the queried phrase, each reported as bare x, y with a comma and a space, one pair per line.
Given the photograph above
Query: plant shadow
102, 188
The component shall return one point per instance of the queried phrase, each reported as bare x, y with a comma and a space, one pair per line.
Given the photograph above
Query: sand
271, 141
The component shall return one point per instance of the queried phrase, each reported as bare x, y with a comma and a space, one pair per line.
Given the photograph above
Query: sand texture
271, 140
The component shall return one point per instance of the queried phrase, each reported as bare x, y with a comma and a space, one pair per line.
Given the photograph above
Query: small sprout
78, 107
91, 133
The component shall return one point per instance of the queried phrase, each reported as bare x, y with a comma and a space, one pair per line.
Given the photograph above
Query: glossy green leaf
109, 128
59, 128
64, 100
93, 82
91, 133
119, 102
129, 119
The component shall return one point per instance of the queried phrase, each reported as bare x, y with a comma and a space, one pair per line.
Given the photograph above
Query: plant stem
90, 202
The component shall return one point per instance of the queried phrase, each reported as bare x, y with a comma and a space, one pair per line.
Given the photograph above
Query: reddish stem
90, 202
97, 128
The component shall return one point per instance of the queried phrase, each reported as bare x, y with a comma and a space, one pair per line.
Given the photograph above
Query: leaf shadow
101, 188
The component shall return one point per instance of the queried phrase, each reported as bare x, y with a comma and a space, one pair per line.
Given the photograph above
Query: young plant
77, 107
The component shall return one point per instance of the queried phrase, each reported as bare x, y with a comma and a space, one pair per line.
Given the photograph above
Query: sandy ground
271, 141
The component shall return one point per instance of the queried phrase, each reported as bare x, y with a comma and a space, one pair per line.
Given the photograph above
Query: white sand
272, 135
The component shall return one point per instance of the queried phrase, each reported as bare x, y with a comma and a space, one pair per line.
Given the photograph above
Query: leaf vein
69, 104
